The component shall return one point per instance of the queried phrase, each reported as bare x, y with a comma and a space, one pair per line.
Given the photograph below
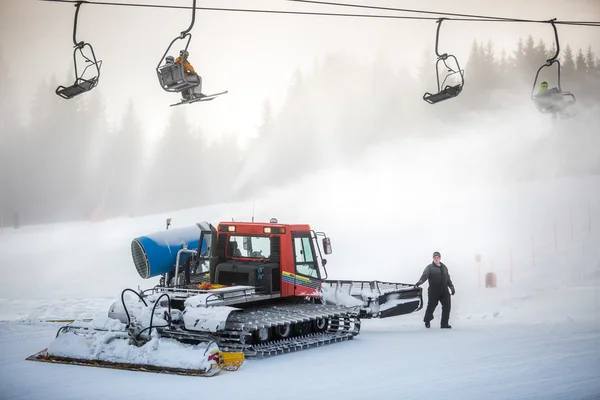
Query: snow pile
339, 297
107, 339
115, 347
211, 319
141, 312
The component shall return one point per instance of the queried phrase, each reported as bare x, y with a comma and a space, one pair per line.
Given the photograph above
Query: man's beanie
436, 253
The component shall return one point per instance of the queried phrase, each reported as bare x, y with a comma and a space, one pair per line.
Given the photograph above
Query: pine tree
489, 65
552, 51
568, 64
531, 57
477, 76
542, 52
180, 164
122, 164
590, 60
266, 127
580, 64
519, 55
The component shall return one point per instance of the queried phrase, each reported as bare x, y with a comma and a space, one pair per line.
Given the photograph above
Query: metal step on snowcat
375, 299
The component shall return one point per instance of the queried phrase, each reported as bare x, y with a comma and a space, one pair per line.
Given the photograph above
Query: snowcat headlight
268, 229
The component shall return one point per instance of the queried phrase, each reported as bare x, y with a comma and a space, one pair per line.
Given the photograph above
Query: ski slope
536, 336
502, 356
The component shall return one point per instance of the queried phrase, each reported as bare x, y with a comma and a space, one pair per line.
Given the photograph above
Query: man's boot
446, 327
427, 325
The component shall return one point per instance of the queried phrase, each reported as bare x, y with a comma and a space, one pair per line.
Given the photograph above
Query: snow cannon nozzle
156, 254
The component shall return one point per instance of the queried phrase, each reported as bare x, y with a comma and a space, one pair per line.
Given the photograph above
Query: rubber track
343, 324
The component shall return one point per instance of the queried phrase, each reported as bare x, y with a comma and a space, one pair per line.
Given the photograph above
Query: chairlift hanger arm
192, 23
437, 39
549, 61
75, 42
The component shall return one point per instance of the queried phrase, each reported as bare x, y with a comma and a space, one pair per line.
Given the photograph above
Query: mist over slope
484, 188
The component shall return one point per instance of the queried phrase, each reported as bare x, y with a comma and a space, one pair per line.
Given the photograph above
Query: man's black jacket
439, 277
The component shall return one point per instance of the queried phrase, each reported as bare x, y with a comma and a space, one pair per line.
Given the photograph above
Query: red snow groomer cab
279, 260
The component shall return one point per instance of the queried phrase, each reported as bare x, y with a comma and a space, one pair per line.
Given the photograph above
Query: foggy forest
66, 165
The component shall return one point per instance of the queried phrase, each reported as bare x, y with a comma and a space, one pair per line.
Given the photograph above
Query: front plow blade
212, 371
374, 298
97, 347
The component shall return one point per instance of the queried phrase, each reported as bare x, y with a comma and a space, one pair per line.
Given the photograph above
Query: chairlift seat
553, 101
80, 86
448, 93
172, 78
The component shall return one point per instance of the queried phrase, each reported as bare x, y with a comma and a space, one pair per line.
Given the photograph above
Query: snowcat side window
204, 252
305, 259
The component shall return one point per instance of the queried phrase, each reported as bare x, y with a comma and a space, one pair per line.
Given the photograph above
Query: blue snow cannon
156, 254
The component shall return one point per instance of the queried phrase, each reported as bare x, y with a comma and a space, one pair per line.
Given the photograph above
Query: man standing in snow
439, 282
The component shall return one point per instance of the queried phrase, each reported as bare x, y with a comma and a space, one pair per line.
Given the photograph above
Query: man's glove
452, 290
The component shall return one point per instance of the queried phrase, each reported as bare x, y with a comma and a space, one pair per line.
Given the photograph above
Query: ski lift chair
81, 84
172, 78
448, 91
553, 101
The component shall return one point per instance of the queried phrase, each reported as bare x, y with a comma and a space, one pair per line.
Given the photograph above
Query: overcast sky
252, 55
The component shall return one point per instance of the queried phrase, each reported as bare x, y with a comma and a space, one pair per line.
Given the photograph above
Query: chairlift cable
467, 18
480, 17
264, 11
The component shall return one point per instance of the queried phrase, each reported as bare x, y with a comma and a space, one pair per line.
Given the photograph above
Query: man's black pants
434, 297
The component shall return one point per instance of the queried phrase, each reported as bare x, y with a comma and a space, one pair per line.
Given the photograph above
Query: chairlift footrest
448, 93
80, 86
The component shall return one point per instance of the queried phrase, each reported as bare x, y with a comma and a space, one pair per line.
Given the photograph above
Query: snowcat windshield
249, 246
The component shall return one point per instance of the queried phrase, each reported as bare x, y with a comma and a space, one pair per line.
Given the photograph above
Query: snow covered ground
535, 337
503, 357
